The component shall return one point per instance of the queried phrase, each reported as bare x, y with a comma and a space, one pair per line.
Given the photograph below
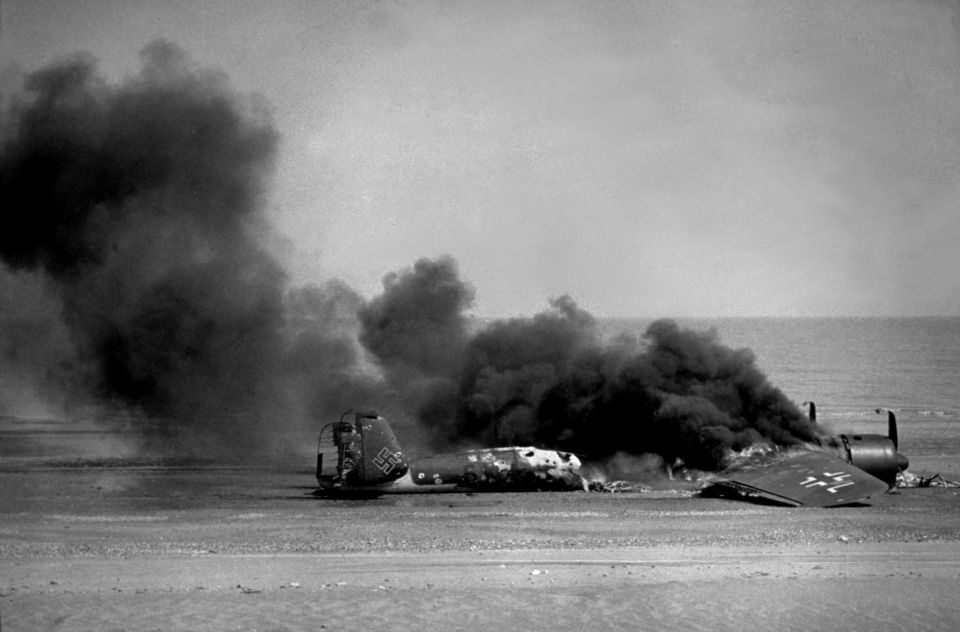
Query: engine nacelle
874, 454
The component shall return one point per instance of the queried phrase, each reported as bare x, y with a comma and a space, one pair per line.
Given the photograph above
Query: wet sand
147, 546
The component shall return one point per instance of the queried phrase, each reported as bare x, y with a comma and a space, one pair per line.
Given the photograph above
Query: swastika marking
386, 460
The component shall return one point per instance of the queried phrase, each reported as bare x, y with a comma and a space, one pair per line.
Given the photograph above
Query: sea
850, 367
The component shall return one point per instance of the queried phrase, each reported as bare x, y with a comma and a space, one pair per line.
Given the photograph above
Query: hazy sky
647, 158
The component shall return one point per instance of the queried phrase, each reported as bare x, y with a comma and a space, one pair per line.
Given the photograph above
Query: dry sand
137, 547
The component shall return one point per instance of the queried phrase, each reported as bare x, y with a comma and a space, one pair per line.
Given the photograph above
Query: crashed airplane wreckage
837, 470
362, 458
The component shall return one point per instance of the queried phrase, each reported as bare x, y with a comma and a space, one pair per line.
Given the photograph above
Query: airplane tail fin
367, 452
891, 427
902, 461
359, 453
382, 459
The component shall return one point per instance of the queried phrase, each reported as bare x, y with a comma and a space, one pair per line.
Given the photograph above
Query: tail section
892, 429
380, 458
902, 461
360, 453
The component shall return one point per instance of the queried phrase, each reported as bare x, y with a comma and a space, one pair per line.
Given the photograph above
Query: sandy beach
148, 546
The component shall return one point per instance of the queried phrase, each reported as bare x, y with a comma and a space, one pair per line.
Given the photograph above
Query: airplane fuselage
369, 461
513, 468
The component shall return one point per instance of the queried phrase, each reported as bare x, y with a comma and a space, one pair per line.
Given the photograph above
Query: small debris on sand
617, 486
909, 479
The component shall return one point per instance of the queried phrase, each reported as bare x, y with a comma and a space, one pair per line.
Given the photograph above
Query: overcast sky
647, 158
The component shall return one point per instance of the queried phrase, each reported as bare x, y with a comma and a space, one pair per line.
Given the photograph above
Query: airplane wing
812, 479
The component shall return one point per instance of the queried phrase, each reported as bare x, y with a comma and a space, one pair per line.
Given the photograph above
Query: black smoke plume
417, 324
417, 331
326, 370
551, 380
140, 204
137, 210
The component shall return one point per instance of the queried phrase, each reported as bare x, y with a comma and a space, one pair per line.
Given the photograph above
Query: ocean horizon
849, 366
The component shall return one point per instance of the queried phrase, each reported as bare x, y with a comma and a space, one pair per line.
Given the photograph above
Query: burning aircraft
837, 470
362, 458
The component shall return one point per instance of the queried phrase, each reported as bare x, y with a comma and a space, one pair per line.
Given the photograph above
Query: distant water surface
847, 364
851, 366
